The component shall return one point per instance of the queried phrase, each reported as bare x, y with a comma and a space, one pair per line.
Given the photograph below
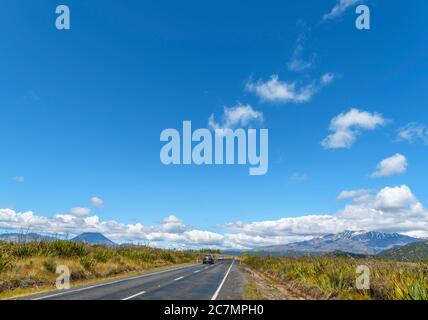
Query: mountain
412, 252
366, 243
94, 239
22, 237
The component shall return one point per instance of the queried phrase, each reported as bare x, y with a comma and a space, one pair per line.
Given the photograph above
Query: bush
5, 261
49, 265
88, 263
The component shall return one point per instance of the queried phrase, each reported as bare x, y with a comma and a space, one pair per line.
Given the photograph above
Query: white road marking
110, 283
197, 271
178, 279
222, 283
134, 296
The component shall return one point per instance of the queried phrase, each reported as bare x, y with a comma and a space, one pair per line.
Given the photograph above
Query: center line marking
198, 271
178, 278
134, 296
111, 283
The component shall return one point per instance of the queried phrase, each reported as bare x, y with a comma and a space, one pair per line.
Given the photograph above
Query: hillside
411, 252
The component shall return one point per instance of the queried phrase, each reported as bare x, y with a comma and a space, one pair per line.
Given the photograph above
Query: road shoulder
244, 283
233, 287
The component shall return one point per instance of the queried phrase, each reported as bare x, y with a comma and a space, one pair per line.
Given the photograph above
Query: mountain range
88, 238
349, 243
24, 237
354, 242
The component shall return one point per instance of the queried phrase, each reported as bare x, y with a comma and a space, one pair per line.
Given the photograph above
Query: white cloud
396, 198
396, 164
347, 126
80, 212
413, 132
170, 232
237, 116
278, 91
172, 224
391, 209
18, 179
360, 196
340, 8
311, 225
327, 78
97, 202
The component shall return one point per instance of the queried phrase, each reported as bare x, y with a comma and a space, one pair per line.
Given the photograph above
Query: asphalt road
196, 282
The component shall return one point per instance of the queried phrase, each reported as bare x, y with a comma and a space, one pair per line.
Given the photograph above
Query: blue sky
83, 109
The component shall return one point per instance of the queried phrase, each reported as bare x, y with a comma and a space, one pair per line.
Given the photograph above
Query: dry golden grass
30, 267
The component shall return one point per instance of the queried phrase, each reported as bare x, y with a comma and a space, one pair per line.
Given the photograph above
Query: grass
251, 292
26, 267
336, 278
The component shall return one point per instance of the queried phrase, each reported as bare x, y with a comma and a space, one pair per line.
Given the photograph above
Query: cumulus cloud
327, 78
172, 224
276, 91
97, 202
238, 116
284, 228
391, 209
361, 195
396, 164
346, 127
170, 230
340, 8
413, 132
80, 212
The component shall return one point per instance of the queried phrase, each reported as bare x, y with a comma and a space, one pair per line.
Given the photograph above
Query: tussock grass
33, 265
336, 277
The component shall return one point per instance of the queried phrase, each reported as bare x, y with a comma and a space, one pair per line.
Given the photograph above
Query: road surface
196, 282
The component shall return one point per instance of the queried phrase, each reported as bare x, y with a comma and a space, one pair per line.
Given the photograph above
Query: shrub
336, 277
88, 263
49, 265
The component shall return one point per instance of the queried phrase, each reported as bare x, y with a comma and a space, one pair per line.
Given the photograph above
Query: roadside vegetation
335, 277
33, 265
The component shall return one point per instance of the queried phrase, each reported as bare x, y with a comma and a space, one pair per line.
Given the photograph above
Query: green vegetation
412, 252
335, 278
33, 265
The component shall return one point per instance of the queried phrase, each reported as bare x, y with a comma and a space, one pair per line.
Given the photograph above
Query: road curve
195, 282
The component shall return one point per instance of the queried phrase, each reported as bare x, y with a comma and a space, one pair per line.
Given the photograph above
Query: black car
208, 259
